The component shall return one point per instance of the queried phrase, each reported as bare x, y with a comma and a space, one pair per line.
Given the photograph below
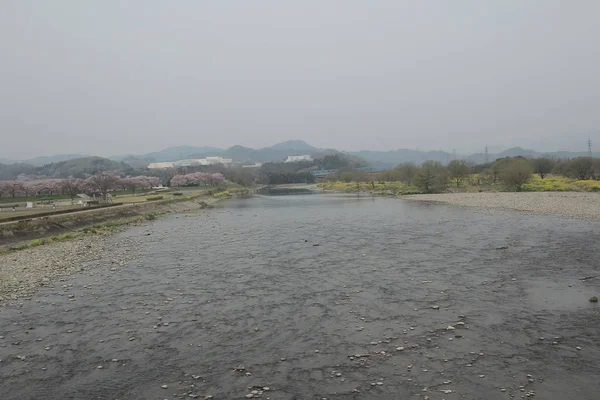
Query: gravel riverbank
22, 273
565, 204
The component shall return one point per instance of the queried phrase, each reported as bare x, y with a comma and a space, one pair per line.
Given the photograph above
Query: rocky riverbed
565, 204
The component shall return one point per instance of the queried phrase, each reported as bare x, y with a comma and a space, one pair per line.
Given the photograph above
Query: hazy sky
111, 77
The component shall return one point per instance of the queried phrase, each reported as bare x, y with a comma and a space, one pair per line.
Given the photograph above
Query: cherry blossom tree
72, 187
180, 180
102, 182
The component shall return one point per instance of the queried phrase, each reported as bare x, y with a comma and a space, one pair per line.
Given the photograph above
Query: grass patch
382, 188
153, 198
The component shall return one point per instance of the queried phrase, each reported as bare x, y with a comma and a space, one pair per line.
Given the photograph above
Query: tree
179, 181
542, 166
458, 170
515, 173
102, 182
390, 175
72, 186
407, 172
596, 166
431, 177
581, 168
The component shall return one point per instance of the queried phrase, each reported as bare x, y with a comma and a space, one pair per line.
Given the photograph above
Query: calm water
248, 285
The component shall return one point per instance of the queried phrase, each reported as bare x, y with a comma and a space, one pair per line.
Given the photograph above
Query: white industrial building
192, 162
298, 158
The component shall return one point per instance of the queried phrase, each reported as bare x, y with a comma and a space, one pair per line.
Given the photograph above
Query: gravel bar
25, 271
565, 204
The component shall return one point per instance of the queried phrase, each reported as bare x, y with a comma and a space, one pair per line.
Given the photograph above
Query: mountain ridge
280, 151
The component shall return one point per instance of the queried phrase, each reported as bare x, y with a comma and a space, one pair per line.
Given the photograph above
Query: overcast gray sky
111, 77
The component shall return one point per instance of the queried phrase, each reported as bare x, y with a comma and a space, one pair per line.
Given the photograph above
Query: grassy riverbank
38, 231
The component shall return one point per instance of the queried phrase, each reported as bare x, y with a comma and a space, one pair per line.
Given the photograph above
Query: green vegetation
515, 173
153, 198
223, 194
380, 188
25, 199
512, 174
594, 299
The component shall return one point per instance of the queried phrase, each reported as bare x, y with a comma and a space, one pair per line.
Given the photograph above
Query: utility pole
589, 147
486, 155
453, 154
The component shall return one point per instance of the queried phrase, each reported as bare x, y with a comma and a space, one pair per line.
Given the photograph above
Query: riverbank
41, 262
585, 206
13, 233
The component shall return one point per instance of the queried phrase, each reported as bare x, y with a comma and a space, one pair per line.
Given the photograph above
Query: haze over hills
280, 151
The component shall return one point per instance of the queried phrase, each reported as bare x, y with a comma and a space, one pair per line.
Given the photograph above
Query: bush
222, 194
515, 173
594, 299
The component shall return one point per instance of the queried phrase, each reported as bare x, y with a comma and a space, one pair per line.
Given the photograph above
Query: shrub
594, 299
515, 173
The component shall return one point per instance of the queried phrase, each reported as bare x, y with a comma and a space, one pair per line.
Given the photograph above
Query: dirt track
246, 285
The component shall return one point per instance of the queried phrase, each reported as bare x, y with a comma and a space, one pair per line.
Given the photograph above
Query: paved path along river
320, 296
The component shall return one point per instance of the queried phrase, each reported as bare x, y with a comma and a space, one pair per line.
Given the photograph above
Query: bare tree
458, 170
515, 173
72, 187
407, 172
431, 177
581, 168
542, 166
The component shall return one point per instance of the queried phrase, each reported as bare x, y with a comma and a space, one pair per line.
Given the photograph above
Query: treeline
101, 182
513, 173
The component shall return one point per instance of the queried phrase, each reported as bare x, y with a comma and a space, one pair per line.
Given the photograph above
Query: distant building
298, 158
192, 162
161, 165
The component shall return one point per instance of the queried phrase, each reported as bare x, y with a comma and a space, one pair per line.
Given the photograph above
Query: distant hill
137, 162
479, 158
395, 157
294, 145
39, 161
66, 164
278, 152
175, 153
81, 167
11, 171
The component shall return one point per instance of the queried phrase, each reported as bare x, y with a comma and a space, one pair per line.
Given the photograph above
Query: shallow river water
295, 287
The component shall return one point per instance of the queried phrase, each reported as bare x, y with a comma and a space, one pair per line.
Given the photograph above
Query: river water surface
320, 296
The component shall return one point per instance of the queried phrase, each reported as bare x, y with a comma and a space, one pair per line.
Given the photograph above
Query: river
320, 296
